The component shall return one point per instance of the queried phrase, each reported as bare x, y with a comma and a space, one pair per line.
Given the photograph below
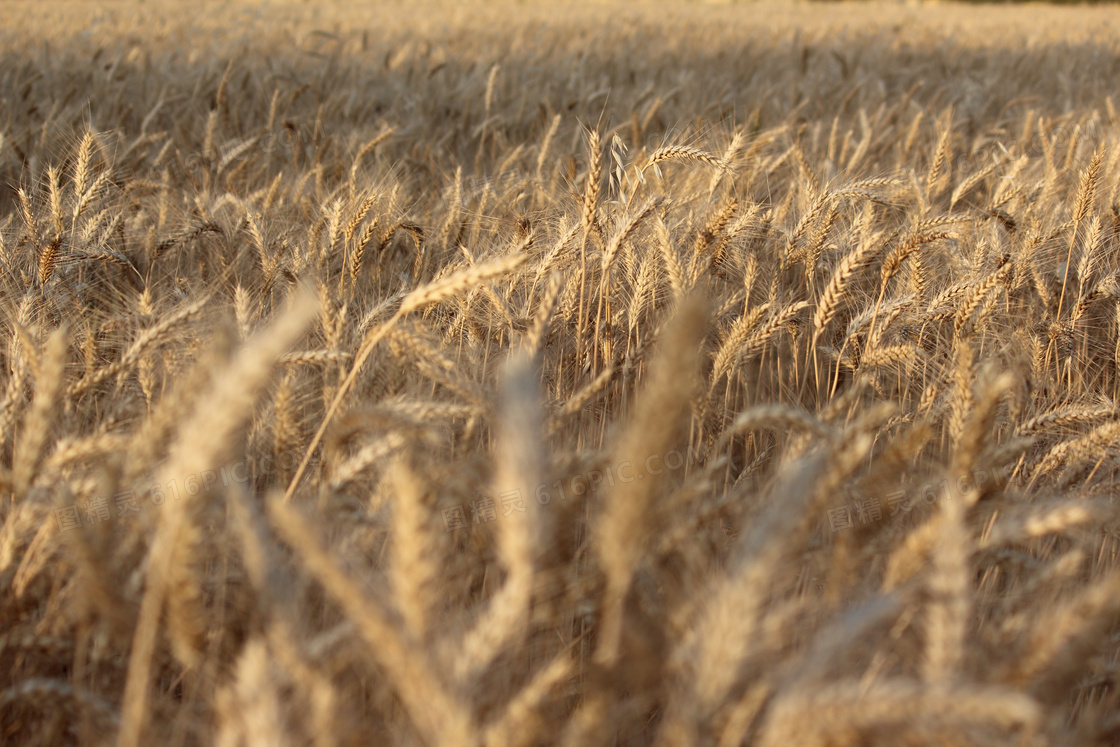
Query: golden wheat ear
524, 530
630, 513
202, 442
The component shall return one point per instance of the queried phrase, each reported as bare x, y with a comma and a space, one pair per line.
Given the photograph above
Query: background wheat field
523, 374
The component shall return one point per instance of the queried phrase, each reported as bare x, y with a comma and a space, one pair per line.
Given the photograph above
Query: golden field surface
584, 374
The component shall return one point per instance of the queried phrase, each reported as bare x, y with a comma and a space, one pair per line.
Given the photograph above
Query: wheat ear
627, 522
201, 442
433, 292
1086, 192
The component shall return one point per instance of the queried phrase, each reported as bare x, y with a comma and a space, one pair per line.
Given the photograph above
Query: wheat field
585, 374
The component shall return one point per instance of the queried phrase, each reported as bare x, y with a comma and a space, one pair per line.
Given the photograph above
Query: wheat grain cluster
473, 374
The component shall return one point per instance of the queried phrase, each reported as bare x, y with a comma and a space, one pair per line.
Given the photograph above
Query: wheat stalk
425, 295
